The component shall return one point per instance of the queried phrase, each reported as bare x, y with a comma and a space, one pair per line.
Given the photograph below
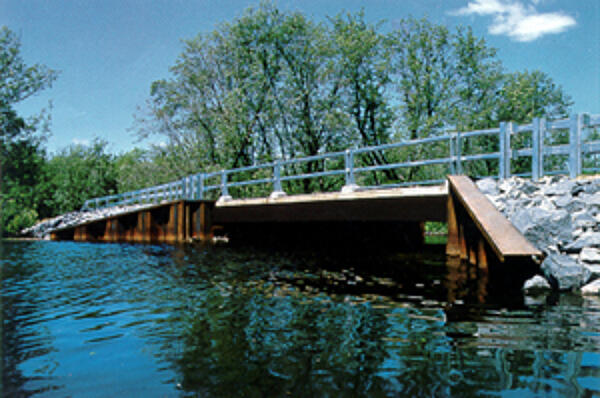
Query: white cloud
519, 21
79, 141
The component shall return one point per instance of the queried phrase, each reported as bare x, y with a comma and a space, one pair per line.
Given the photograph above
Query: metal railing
540, 147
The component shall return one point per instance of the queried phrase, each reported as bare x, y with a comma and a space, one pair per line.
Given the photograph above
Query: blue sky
108, 52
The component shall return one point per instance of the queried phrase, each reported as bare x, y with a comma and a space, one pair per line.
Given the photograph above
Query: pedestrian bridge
477, 232
196, 206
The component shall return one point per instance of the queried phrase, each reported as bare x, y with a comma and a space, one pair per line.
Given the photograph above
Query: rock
574, 205
592, 186
526, 186
506, 185
543, 203
562, 201
591, 289
583, 219
587, 239
578, 188
488, 186
591, 200
563, 272
590, 255
543, 228
43, 228
536, 284
564, 187
594, 270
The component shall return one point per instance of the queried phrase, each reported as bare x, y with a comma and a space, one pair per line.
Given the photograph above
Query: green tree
21, 152
365, 68
525, 95
80, 172
275, 84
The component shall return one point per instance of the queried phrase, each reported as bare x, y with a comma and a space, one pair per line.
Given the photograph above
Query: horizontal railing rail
534, 141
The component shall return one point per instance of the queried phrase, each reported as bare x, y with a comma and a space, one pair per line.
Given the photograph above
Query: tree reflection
20, 307
248, 341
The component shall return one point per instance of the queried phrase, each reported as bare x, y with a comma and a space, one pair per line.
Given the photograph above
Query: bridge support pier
174, 222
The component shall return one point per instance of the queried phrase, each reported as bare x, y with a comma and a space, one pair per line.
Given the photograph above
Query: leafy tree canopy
22, 159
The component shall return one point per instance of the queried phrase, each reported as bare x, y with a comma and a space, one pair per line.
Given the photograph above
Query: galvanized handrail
195, 186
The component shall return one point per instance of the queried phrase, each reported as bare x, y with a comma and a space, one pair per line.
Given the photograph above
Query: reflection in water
142, 320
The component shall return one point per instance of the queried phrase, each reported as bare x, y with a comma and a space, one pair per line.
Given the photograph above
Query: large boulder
564, 272
543, 228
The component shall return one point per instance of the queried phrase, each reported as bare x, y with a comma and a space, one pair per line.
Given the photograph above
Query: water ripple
154, 320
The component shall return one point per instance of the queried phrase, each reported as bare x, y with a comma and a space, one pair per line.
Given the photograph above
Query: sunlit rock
592, 288
536, 285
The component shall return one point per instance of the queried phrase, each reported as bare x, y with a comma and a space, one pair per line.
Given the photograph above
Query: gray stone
563, 272
543, 228
542, 202
577, 232
592, 186
506, 185
590, 255
587, 239
549, 180
594, 270
526, 186
583, 219
575, 205
569, 203
564, 187
591, 289
43, 228
562, 201
488, 186
536, 284
578, 188
591, 200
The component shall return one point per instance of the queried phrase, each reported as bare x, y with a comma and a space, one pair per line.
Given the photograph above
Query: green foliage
17, 218
22, 175
81, 172
274, 84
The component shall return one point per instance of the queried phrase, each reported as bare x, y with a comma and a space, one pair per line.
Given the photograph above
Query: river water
105, 320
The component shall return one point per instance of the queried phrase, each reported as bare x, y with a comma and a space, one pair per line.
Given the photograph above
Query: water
87, 320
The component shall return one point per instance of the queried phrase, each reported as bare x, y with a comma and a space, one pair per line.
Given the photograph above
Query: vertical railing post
191, 187
578, 123
575, 146
350, 182
278, 191
224, 191
452, 152
537, 148
200, 193
459, 169
506, 130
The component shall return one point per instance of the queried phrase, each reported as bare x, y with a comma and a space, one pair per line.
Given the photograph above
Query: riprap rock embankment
561, 217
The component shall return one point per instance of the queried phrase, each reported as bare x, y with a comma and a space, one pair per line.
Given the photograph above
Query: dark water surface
105, 320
